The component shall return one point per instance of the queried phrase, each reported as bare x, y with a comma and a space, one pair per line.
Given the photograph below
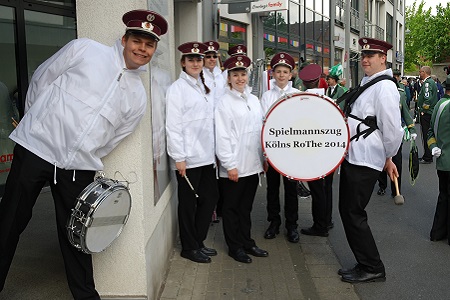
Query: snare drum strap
370, 121
352, 95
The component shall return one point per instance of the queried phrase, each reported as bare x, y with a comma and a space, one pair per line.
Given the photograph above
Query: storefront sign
269, 5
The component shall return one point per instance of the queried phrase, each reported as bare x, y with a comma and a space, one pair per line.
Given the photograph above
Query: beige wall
134, 266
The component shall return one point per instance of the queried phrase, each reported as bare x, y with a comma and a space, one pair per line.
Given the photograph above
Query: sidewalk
307, 270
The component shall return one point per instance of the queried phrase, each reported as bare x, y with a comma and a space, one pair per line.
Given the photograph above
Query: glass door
30, 32
9, 113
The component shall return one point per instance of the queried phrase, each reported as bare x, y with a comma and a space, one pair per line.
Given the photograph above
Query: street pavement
307, 270
416, 267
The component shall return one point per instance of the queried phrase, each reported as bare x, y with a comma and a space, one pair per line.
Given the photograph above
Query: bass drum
305, 136
100, 213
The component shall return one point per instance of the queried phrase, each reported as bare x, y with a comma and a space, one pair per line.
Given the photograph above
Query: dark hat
212, 46
396, 72
446, 83
284, 59
145, 21
193, 48
310, 73
303, 64
370, 44
237, 50
237, 62
335, 77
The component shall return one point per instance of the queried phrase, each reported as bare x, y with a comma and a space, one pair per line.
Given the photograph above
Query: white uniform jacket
190, 122
380, 100
238, 133
271, 96
216, 82
80, 104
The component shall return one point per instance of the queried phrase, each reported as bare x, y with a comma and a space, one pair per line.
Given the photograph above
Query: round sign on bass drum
305, 136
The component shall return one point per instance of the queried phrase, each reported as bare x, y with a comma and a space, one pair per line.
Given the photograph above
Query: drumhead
305, 136
108, 219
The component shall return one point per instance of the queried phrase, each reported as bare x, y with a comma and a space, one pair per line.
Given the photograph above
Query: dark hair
311, 84
131, 32
204, 84
202, 77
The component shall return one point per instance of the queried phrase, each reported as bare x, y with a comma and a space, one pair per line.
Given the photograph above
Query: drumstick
14, 122
192, 188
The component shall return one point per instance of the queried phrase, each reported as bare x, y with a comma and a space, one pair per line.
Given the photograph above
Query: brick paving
306, 270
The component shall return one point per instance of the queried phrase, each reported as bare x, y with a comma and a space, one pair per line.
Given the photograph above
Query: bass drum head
305, 136
108, 219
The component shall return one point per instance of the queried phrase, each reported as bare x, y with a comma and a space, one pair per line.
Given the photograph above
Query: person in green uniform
439, 144
426, 101
407, 122
342, 83
334, 90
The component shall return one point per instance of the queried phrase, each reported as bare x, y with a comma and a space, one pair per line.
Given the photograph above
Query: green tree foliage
427, 38
275, 20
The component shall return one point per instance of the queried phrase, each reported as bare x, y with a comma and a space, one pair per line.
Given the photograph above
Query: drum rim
287, 97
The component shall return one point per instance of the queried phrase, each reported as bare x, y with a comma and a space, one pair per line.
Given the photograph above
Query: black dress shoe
330, 225
381, 192
302, 190
363, 276
208, 251
195, 256
240, 256
272, 231
313, 231
435, 239
423, 161
349, 271
255, 251
292, 235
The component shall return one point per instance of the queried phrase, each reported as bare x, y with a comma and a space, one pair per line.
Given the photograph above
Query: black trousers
236, 210
355, 188
273, 199
441, 223
425, 121
322, 201
382, 179
28, 175
194, 214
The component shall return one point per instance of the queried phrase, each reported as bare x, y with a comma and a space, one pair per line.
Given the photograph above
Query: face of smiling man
138, 50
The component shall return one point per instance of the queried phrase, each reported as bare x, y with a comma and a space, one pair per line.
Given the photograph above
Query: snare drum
101, 211
305, 136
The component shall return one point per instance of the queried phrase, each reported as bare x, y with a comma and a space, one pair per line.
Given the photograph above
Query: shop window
45, 35
230, 34
30, 32
9, 113
68, 3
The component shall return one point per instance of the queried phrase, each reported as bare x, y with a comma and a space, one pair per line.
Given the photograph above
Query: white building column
135, 264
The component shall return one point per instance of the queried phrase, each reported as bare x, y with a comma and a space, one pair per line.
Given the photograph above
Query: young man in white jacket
80, 104
282, 65
376, 134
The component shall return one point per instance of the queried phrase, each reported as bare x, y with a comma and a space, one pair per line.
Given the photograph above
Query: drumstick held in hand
192, 188
14, 122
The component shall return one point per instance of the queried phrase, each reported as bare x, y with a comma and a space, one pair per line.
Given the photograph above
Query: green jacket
427, 98
337, 92
298, 84
404, 110
440, 137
